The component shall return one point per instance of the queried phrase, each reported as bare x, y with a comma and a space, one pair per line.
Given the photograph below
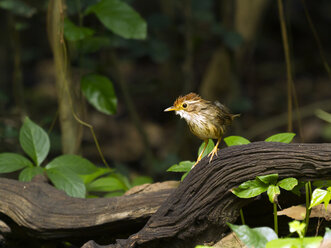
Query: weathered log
198, 210
43, 212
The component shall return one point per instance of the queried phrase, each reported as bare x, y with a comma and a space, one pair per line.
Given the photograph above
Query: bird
206, 119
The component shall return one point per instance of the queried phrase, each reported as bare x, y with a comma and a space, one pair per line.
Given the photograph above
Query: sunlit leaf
319, 196
100, 92
106, 184
313, 242
120, 18
268, 179
99, 172
288, 183
10, 162
68, 181
253, 237
236, 140
297, 226
281, 137
250, 189
183, 166
28, 173
272, 192
34, 141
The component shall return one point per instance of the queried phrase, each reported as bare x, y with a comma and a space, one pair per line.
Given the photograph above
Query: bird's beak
172, 108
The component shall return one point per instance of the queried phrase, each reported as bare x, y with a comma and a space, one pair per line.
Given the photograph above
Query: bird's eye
184, 105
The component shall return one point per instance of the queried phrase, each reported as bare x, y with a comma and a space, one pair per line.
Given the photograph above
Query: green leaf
27, 174
298, 227
120, 18
273, 191
209, 148
183, 166
319, 196
236, 140
99, 172
322, 183
253, 237
250, 189
92, 44
73, 32
295, 243
10, 162
268, 179
288, 183
68, 181
141, 180
34, 141
106, 184
184, 175
75, 163
99, 91
296, 189
281, 137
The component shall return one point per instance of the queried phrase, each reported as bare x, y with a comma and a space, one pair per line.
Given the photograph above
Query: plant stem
308, 197
242, 216
275, 218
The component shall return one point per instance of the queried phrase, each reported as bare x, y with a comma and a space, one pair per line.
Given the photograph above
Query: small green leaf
322, 183
75, 163
250, 189
295, 243
10, 162
273, 191
208, 149
281, 137
99, 172
34, 141
268, 179
120, 18
73, 32
68, 181
141, 180
296, 189
27, 174
183, 166
318, 196
236, 140
288, 183
184, 175
298, 227
253, 237
106, 184
99, 91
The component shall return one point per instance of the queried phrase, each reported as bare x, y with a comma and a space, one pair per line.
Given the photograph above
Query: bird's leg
200, 155
214, 151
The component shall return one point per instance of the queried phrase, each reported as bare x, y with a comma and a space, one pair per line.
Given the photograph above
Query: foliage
71, 173
319, 196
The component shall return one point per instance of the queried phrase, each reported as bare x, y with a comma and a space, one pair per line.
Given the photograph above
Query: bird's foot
212, 153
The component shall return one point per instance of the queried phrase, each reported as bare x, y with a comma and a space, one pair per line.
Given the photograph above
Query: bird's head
186, 106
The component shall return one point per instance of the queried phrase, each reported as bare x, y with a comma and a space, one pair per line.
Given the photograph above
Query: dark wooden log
43, 212
198, 210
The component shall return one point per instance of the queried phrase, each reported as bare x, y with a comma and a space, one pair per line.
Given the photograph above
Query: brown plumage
205, 119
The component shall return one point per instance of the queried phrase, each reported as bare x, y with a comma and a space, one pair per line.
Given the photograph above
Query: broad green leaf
236, 140
68, 181
28, 173
100, 92
296, 189
141, 180
77, 164
288, 183
99, 172
253, 237
34, 141
295, 243
184, 175
92, 44
106, 184
273, 191
73, 32
209, 148
183, 166
120, 18
123, 179
319, 196
268, 179
281, 137
250, 189
10, 162
298, 227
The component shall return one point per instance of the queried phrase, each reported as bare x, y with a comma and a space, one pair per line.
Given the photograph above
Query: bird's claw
212, 153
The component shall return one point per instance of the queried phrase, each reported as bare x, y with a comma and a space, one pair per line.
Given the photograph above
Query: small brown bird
205, 119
